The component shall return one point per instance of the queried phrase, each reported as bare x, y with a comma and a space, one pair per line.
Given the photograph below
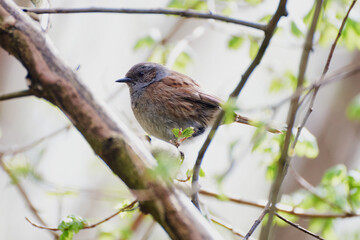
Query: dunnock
162, 100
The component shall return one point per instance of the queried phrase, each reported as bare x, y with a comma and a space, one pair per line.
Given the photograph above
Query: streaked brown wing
189, 90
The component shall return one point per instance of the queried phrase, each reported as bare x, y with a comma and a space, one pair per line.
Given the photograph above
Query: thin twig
270, 28
341, 74
325, 70
19, 94
24, 195
297, 226
257, 221
184, 180
310, 188
181, 13
36, 142
149, 231
261, 216
225, 225
283, 162
280, 207
126, 208
283, 208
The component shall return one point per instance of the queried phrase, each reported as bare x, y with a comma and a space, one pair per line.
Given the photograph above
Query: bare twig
310, 188
36, 142
225, 225
19, 94
181, 13
24, 195
297, 226
270, 28
283, 162
281, 208
184, 180
325, 70
149, 231
257, 221
126, 208
341, 74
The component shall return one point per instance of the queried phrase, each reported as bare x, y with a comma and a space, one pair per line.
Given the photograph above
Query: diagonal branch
283, 162
297, 226
270, 29
24, 195
325, 70
181, 13
125, 155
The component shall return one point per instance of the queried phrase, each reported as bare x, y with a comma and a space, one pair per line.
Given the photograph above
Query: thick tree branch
52, 80
181, 13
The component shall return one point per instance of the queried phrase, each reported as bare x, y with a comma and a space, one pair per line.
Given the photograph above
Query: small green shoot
71, 225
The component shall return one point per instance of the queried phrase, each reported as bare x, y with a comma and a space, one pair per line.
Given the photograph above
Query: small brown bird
162, 100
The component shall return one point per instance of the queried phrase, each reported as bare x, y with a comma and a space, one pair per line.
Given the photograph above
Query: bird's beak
124, 80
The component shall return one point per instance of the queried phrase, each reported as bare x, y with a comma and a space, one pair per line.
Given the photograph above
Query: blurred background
62, 176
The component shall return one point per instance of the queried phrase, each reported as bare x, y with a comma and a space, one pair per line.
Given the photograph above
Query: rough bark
50, 78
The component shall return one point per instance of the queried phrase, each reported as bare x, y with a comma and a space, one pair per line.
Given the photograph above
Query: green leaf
188, 132
265, 18
70, 225
254, 2
182, 61
307, 145
334, 175
295, 30
285, 82
144, 42
222, 197
227, 11
271, 171
199, 5
354, 188
290, 76
22, 168
288, 216
259, 136
351, 35
308, 17
254, 48
176, 132
276, 85
235, 42
167, 166
327, 33
324, 227
201, 173
106, 236
126, 233
353, 110
229, 108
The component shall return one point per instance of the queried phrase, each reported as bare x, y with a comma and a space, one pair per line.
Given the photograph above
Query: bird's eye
141, 74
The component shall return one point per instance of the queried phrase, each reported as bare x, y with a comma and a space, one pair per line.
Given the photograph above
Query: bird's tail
245, 120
